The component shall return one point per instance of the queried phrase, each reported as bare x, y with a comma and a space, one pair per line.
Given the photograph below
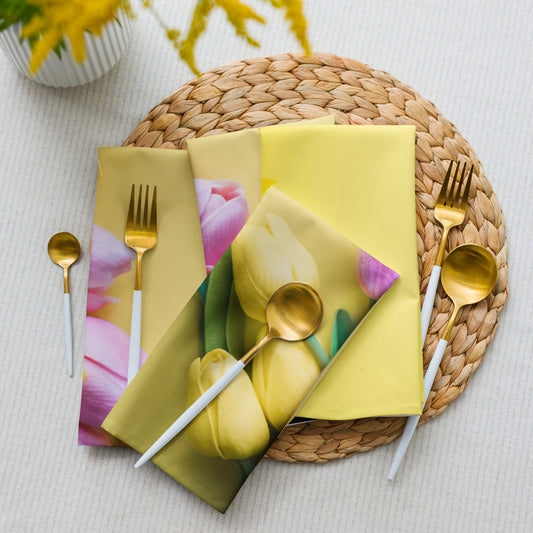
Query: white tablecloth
468, 470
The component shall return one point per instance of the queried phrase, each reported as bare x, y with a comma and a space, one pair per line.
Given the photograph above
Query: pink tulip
223, 212
374, 277
106, 370
110, 258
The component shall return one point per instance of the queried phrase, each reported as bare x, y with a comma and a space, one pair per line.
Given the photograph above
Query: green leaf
60, 48
235, 326
216, 303
343, 325
14, 11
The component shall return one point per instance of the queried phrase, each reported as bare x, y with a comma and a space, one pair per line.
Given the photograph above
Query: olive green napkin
281, 242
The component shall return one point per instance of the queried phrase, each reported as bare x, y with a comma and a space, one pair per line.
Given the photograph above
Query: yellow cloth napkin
171, 272
281, 242
237, 156
359, 179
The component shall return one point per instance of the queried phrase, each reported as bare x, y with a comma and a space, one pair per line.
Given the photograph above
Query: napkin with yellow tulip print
281, 242
360, 180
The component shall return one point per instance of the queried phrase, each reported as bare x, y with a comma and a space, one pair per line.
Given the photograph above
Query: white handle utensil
141, 236
64, 250
412, 421
135, 336
450, 211
192, 412
468, 275
293, 313
68, 332
429, 300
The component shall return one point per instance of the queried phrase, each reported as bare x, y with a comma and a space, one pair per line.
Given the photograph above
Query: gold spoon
293, 313
64, 249
468, 275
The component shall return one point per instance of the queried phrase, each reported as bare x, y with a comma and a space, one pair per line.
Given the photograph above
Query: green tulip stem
318, 351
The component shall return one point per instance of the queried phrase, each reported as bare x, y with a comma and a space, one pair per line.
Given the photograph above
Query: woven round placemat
289, 87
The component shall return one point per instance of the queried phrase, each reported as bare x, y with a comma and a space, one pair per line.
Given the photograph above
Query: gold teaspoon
468, 275
293, 313
64, 250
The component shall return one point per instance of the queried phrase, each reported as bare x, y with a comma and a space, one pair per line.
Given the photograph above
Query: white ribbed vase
102, 53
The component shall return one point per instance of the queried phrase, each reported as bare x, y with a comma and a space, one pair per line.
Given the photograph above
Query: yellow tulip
266, 257
233, 425
282, 374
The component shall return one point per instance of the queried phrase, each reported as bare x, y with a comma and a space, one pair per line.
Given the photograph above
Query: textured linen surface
468, 470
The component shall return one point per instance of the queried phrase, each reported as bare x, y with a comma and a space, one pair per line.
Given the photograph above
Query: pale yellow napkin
171, 272
237, 156
360, 180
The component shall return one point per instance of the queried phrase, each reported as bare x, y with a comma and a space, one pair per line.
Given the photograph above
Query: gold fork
450, 211
141, 236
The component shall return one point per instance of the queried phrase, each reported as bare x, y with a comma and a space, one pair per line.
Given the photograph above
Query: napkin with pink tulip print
281, 242
197, 220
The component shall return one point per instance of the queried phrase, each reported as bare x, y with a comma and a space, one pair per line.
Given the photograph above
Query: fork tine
444, 188
129, 221
466, 194
139, 209
451, 196
457, 193
153, 214
145, 217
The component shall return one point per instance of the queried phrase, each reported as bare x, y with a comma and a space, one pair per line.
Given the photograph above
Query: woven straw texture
289, 87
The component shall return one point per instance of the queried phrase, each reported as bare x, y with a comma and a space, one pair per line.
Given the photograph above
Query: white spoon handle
429, 378
191, 412
68, 332
429, 299
412, 421
135, 336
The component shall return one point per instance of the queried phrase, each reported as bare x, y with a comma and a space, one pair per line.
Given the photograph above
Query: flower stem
318, 351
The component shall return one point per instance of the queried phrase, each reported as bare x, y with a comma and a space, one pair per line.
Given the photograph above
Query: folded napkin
171, 272
197, 222
360, 180
281, 242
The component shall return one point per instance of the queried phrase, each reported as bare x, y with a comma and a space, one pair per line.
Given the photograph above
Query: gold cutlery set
468, 275
141, 236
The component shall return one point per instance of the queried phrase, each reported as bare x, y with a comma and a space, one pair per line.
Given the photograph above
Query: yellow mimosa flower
60, 19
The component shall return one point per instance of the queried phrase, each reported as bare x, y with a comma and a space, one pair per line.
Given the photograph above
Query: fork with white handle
141, 236
450, 211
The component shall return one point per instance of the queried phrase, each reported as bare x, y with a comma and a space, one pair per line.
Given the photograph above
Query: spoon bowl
469, 274
294, 312
64, 250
